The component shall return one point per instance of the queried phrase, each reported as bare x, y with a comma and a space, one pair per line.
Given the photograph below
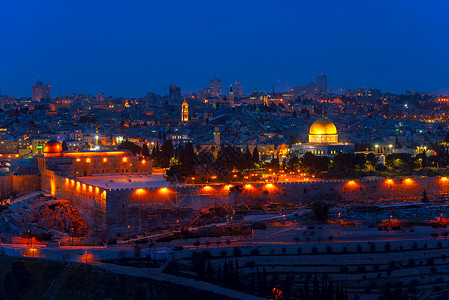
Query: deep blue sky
126, 48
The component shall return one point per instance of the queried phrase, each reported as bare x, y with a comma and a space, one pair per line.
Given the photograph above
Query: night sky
126, 48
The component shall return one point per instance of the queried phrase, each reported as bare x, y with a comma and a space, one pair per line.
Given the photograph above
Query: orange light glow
97, 190
207, 188
72, 182
270, 187
17, 155
66, 181
143, 161
248, 186
213, 177
192, 178
228, 187
105, 159
389, 181
408, 181
140, 192
235, 176
125, 159
84, 186
88, 160
90, 189
444, 179
78, 159
351, 184
164, 190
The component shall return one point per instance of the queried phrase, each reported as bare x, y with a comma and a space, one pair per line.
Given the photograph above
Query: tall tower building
321, 83
217, 136
215, 87
238, 89
185, 111
231, 98
174, 92
41, 91
100, 96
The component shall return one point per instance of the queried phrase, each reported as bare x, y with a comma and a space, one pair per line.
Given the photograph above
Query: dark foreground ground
27, 279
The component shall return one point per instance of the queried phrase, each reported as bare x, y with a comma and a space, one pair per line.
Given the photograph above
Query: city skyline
128, 51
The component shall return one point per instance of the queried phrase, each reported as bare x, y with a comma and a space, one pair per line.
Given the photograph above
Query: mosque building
323, 141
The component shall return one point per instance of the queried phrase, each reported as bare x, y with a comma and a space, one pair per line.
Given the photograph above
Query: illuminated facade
323, 141
185, 111
91, 163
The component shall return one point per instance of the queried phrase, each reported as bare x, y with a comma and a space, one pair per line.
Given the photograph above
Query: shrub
329, 249
359, 248
314, 250
345, 249
237, 251
299, 250
255, 252
361, 269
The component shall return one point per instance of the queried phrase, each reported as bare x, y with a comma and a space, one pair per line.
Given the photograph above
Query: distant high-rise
321, 82
231, 97
100, 96
41, 91
238, 91
215, 87
174, 92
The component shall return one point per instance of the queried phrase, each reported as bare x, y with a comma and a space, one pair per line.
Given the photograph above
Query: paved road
187, 282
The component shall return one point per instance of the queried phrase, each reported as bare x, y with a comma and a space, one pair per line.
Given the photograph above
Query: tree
320, 210
135, 149
255, 156
145, 151
424, 197
167, 153
64, 146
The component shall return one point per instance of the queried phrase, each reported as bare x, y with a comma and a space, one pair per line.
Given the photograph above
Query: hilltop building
323, 141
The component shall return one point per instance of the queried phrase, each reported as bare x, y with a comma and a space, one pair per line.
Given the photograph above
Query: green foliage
320, 210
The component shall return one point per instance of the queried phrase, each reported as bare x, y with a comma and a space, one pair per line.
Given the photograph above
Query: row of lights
407, 181
10, 156
84, 186
125, 159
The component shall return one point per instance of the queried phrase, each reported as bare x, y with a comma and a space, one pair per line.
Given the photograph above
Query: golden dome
323, 126
53, 146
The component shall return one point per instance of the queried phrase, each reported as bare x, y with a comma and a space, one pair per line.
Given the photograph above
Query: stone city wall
90, 201
18, 184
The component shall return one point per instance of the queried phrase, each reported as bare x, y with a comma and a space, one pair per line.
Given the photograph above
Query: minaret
217, 137
185, 111
231, 97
